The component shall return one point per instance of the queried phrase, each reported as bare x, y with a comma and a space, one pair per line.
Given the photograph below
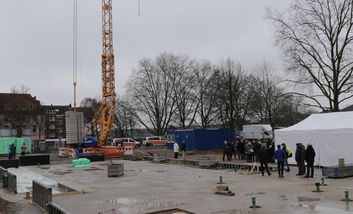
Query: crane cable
138, 7
74, 51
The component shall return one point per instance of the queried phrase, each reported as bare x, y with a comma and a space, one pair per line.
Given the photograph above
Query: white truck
257, 131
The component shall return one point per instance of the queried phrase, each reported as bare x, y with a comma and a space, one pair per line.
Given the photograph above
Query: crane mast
106, 113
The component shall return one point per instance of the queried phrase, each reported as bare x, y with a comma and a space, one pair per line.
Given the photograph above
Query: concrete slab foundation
150, 187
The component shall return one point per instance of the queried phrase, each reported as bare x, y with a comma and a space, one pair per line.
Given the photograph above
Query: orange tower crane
105, 116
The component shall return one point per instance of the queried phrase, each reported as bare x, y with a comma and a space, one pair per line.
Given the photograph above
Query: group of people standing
264, 153
12, 151
302, 155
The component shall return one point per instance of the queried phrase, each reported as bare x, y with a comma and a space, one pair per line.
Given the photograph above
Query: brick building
19, 115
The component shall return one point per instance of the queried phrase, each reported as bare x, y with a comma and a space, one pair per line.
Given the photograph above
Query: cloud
36, 39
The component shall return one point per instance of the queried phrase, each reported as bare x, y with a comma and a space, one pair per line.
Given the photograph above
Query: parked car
122, 141
154, 141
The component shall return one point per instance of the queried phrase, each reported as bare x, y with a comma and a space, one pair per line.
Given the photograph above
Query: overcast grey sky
36, 39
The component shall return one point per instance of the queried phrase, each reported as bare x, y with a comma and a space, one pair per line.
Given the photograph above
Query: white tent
331, 135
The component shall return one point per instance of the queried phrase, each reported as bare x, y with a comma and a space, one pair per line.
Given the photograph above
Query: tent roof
324, 121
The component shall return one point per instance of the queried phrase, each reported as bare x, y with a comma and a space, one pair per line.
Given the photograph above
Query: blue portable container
89, 141
198, 139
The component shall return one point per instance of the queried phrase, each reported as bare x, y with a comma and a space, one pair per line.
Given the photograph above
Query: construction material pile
81, 163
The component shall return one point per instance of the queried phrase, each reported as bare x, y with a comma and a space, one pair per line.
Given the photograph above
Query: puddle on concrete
233, 211
309, 208
255, 193
307, 199
126, 204
126, 201
44, 167
60, 172
163, 204
92, 169
8, 207
162, 171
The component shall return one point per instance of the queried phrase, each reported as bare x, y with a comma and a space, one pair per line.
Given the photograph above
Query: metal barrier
56, 209
3, 177
41, 195
11, 182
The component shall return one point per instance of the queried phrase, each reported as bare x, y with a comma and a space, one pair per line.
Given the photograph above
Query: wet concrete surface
7, 207
148, 187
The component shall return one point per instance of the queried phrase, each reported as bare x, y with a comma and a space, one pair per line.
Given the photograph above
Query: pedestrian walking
264, 158
176, 150
280, 156
23, 149
309, 158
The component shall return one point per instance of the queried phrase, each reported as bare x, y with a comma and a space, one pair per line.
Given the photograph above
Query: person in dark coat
231, 151
13, 151
9, 152
183, 148
298, 153
241, 150
225, 149
309, 158
264, 158
257, 147
280, 157
300, 158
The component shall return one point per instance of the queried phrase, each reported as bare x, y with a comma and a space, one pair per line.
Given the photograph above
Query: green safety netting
81, 163
6, 141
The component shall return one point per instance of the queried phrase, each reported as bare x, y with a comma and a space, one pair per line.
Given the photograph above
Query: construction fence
41, 195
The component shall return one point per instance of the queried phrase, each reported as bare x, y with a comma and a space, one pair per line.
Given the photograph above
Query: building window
51, 119
60, 122
34, 128
30, 107
52, 134
7, 107
52, 126
60, 130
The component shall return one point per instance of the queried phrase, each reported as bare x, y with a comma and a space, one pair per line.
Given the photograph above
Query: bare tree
124, 119
21, 89
267, 95
316, 40
206, 83
93, 105
152, 95
185, 95
269, 102
233, 95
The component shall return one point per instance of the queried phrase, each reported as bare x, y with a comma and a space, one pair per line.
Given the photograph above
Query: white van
154, 141
121, 141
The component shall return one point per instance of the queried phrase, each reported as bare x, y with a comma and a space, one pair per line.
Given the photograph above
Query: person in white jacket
176, 150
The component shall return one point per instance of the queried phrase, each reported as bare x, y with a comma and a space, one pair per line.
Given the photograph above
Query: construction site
96, 159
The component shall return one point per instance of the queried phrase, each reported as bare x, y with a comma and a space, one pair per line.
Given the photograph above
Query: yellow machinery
105, 116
